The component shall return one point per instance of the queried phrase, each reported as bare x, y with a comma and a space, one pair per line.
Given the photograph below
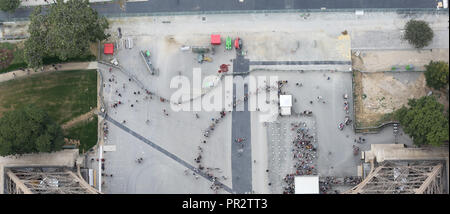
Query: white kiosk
285, 104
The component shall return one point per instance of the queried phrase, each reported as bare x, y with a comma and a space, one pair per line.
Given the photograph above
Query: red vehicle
223, 68
238, 43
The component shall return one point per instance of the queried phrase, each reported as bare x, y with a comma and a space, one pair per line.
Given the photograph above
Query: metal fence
374, 129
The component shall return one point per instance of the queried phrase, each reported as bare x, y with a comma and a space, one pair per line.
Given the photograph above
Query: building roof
285, 110
215, 39
306, 184
108, 48
285, 100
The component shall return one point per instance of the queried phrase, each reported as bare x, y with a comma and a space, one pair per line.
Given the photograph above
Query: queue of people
304, 154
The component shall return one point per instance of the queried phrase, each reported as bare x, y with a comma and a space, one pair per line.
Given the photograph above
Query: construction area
385, 80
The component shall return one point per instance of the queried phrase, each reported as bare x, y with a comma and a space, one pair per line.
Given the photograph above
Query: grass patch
86, 132
63, 94
18, 61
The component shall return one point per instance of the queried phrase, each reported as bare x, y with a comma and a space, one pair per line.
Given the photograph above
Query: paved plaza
160, 150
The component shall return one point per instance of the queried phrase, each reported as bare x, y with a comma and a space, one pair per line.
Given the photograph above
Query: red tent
108, 48
215, 39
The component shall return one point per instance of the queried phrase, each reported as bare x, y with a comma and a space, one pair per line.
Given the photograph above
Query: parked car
238, 43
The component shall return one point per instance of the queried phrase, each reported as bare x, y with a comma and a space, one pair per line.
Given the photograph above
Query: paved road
220, 5
241, 157
162, 150
300, 63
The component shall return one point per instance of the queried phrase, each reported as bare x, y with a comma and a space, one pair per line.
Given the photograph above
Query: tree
29, 130
9, 5
437, 74
36, 45
418, 33
424, 121
65, 31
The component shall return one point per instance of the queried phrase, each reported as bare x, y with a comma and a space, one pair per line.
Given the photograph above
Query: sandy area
385, 92
374, 61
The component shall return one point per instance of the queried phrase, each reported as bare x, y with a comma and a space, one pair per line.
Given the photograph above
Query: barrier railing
374, 129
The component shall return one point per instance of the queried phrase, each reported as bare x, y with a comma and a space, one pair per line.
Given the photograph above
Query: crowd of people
216, 185
326, 183
105, 130
304, 155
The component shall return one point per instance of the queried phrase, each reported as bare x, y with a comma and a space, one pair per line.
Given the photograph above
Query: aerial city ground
322, 101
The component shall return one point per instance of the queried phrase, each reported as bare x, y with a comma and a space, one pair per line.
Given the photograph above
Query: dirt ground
78, 120
379, 93
384, 60
380, 90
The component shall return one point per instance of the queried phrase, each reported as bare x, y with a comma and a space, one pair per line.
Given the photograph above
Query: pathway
241, 157
78, 119
48, 68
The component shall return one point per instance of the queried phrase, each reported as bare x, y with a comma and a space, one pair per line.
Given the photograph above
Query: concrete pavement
165, 152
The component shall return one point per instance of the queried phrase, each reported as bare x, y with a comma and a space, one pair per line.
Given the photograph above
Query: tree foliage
9, 5
437, 74
29, 130
418, 33
424, 121
65, 31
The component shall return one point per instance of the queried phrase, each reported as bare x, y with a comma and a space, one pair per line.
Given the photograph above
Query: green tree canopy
65, 31
424, 121
29, 130
437, 74
418, 33
9, 5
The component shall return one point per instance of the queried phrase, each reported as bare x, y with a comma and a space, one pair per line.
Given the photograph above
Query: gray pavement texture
241, 165
335, 155
165, 152
181, 132
112, 8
